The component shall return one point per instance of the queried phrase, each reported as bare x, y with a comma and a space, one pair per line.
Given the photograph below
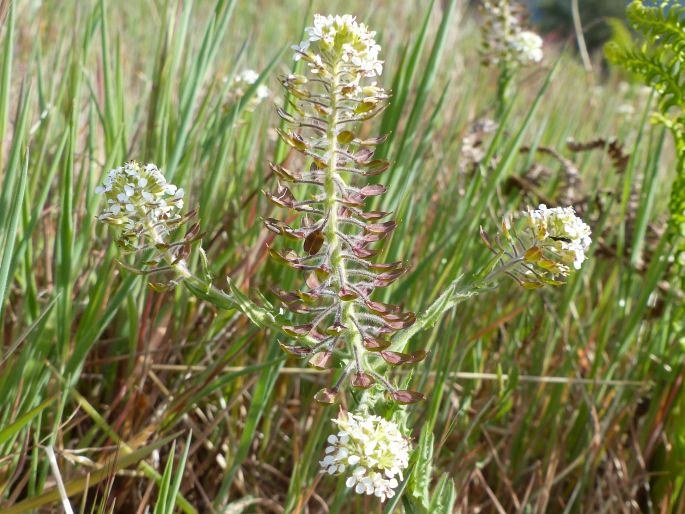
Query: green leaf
10, 431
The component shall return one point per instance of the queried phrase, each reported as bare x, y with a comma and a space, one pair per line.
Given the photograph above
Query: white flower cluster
371, 450
138, 198
340, 39
527, 46
243, 81
561, 232
504, 40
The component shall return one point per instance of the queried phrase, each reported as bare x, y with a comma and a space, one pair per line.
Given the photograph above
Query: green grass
558, 400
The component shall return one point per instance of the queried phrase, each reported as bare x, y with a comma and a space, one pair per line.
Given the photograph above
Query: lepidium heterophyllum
332, 238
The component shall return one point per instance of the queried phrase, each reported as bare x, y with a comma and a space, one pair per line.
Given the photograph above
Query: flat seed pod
402, 358
362, 380
375, 344
322, 360
406, 397
299, 351
298, 330
313, 242
326, 395
345, 137
373, 190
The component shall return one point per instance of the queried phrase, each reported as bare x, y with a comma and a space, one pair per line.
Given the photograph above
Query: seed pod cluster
334, 239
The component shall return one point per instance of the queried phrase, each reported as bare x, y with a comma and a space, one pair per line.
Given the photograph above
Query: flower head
560, 232
504, 39
528, 47
371, 451
340, 46
139, 199
540, 246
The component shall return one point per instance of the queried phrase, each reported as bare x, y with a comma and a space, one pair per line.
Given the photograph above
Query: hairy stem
348, 317
205, 290
455, 293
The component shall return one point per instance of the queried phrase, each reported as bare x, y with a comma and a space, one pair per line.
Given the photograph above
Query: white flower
527, 46
562, 233
247, 76
242, 82
504, 39
343, 44
138, 198
371, 451
625, 109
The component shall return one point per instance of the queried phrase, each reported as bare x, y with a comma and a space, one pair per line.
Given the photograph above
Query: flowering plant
504, 41
333, 240
506, 44
337, 234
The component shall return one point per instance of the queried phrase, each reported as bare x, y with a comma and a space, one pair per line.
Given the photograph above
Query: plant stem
455, 293
205, 290
503, 91
337, 262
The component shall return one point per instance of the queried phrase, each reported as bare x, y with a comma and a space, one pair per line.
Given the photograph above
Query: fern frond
664, 76
660, 61
662, 26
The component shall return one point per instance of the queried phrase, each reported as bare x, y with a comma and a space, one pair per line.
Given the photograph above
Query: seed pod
326, 196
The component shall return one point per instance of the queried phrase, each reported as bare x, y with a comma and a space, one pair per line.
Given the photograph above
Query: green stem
205, 290
503, 91
348, 314
455, 293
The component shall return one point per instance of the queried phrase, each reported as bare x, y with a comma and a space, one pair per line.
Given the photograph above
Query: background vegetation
559, 400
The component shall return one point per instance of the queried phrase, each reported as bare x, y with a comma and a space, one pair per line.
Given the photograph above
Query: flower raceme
504, 40
541, 246
562, 233
140, 200
351, 331
146, 211
340, 38
371, 451
527, 45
